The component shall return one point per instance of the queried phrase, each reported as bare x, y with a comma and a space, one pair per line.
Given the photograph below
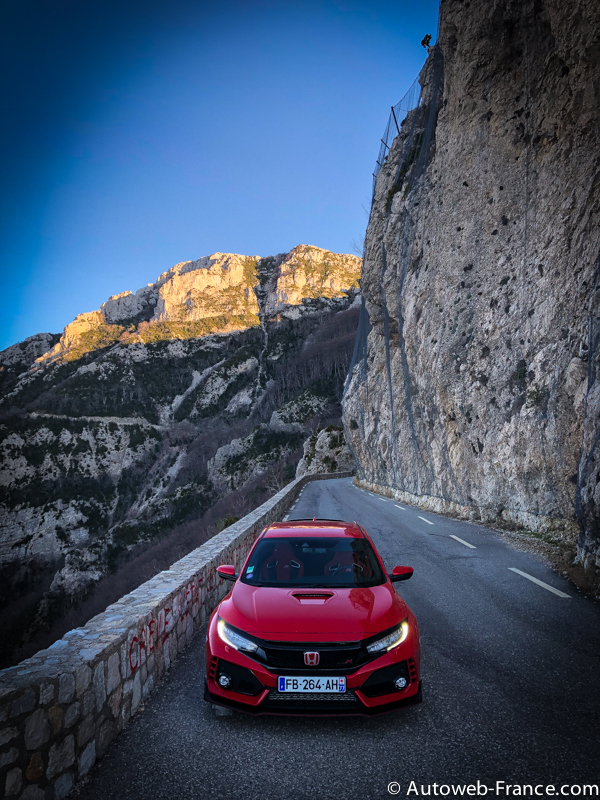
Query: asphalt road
511, 675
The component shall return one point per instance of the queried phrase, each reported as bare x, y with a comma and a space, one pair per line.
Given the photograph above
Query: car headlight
393, 639
231, 637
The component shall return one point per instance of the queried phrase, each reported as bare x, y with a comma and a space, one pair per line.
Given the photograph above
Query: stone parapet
61, 709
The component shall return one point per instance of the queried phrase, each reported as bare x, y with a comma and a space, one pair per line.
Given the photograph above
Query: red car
312, 626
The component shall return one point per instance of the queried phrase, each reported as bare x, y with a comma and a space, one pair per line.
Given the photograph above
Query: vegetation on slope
108, 457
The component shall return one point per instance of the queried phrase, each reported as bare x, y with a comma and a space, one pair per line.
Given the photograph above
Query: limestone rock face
325, 451
217, 293
74, 332
310, 273
478, 382
126, 305
20, 357
292, 415
250, 457
26, 352
221, 283
189, 289
41, 451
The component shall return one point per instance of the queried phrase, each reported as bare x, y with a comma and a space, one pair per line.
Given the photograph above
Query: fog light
400, 683
225, 681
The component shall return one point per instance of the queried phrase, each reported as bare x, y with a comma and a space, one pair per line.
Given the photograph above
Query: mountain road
511, 687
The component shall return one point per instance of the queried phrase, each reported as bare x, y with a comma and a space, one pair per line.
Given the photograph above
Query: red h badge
311, 659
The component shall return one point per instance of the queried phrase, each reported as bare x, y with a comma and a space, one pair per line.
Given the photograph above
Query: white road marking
462, 541
383, 499
540, 583
427, 521
400, 507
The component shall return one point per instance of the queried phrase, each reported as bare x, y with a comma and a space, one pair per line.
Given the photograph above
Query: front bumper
369, 690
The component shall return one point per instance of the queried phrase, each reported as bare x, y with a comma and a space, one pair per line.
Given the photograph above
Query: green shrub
191, 329
95, 339
538, 396
519, 376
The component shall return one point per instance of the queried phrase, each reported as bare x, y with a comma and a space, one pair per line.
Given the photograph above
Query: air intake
312, 595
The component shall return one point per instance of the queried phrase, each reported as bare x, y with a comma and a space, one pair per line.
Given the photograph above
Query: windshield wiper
311, 585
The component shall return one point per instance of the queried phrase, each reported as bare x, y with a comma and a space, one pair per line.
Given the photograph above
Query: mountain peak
217, 293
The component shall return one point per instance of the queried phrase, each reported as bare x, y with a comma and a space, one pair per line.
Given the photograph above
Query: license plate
286, 683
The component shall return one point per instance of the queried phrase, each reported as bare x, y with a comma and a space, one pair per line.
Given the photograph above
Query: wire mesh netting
406, 149
359, 356
398, 114
413, 118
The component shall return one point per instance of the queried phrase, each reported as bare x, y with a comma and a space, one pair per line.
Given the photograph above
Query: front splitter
256, 711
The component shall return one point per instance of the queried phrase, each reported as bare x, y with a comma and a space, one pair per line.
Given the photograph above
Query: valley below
159, 420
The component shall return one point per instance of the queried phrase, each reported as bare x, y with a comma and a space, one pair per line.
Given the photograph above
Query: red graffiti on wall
158, 630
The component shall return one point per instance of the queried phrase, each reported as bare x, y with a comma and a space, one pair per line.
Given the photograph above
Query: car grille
340, 658
321, 702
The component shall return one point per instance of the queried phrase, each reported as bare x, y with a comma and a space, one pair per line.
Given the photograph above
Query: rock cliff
147, 413
17, 359
475, 388
325, 451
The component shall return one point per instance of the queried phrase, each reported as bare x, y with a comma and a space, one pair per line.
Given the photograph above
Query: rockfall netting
412, 120
398, 114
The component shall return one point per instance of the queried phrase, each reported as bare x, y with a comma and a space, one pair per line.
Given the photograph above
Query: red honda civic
313, 626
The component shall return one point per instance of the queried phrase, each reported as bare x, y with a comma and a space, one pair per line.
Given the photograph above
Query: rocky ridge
476, 390
215, 294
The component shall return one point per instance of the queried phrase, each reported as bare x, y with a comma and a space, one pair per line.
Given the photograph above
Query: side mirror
227, 571
401, 574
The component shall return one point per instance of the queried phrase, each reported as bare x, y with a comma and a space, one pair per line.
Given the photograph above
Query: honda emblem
311, 659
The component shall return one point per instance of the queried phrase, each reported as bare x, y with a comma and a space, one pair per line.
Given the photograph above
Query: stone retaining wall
61, 709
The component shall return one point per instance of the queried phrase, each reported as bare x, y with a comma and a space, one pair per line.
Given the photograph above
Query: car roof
314, 527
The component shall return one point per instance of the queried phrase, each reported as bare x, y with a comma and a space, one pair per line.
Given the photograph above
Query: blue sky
137, 135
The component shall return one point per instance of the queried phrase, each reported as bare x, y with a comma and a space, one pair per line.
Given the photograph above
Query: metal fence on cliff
412, 122
398, 114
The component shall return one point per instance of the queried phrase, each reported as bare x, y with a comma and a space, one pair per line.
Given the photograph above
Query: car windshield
327, 562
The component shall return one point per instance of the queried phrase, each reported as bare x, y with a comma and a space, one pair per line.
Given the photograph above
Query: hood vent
303, 596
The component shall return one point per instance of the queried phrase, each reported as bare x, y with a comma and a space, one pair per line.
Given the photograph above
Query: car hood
338, 615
